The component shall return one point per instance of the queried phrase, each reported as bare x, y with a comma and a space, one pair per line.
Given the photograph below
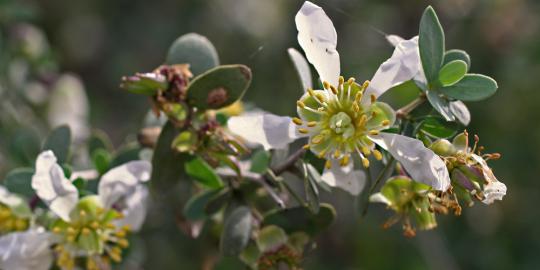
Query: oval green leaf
431, 44
20, 181
473, 87
437, 127
452, 55
195, 50
452, 72
219, 87
203, 173
236, 231
194, 209
59, 141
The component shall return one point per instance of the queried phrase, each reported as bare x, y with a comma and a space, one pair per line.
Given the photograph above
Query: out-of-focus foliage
103, 40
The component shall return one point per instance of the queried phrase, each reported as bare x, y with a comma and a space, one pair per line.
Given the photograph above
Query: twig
281, 168
258, 178
404, 111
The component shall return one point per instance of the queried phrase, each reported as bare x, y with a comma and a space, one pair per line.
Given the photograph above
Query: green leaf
236, 231
452, 55
80, 184
311, 190
101, 159
440, 104
167, 167
195, 206
452, 72
270, 238
473, 87
250, 255
19, 181
195, 50
144, 83
203, 173
126, 154
437, 127
217, 202
301, 219
99, 140
186, 141
431, 43
59, 141
260, 161
219, 87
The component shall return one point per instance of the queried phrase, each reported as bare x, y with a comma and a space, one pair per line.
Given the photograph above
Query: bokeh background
102, 40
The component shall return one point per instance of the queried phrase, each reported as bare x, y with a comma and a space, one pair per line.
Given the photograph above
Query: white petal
420, 162
135, 208
394, 39
52, 186
302, 67
121, 181
494, 191
404, 65
269, 130
318, 38
461, 112
69, 105
344, 178
29, 250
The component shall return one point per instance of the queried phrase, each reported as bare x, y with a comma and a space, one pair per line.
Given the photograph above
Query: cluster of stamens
93, 240
9, 222
338, 122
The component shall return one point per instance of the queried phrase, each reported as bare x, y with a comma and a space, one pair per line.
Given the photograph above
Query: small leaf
301, 219
452, 55
260, 161
185, 141
125, 154
473, 87
217, 202
219, 87
440, 104
19, 181
59, 141
166, 162
437, 127
203, 173
431, 43
236, 231
195, 50
452, 72
99, 140
144, 83
311, 190
270, 238
194, 208
101, 159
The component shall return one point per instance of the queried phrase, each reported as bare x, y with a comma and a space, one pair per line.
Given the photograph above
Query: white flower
28, 250
345, 119
494, 189
52, 186
120, 188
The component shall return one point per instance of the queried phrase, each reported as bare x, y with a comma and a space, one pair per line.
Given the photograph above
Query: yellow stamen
306, 147
365, 85
297, 121
377, 154
350, 80
328, 164
317, 139
311, 124
300, 104
341, 80
344, 161
366, 151
333, 89
337, 154
373, 98
385, 122
303, 130
326, 85
374, 132
365, 162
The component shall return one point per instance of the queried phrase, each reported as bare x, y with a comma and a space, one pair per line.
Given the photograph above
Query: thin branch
258, 178
404, 111
285, 166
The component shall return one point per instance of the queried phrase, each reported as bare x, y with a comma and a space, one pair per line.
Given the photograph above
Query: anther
333, 89
303, 130
328, 164
365, 85
365, 162
311, 124
297, 121
385, 122
350, 80
317, 139
306, 147
326, 85
344, 161
311, 92
377, 154
365, 151
337, 154
373, 98
341, 80
320, 97
373, 132
300, 104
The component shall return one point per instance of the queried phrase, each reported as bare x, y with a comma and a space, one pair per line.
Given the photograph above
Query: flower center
92, 235
9, 222
339, 122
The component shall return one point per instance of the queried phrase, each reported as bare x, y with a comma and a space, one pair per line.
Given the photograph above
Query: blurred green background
102, 40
